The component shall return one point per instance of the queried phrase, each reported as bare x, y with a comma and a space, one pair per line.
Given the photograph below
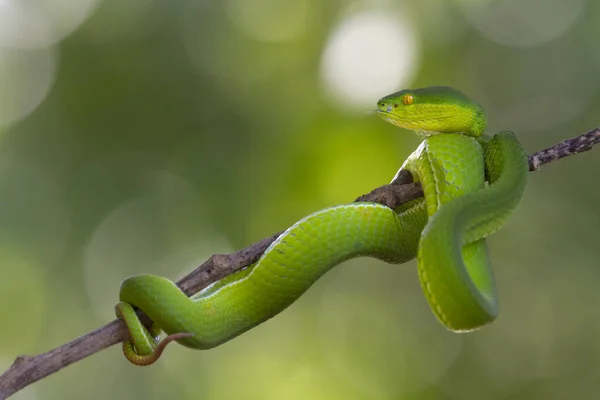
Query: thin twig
27, 370
565, 148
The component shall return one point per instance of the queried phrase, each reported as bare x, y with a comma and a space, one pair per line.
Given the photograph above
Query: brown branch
565, 148
27, 370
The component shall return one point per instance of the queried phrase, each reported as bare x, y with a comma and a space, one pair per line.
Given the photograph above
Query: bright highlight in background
523, 23
28, 30
41, 23
369, 54
26, 77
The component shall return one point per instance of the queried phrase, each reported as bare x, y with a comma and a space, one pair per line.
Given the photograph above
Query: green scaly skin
445, 231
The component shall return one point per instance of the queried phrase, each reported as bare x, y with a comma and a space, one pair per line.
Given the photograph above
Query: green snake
471, 185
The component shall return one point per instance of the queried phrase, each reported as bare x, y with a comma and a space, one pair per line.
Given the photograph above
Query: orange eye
408, 99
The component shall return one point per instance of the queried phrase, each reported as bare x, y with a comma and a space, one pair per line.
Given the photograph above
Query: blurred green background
144, 136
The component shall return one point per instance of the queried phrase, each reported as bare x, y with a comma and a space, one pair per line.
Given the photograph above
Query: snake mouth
390, 116
393, 119
422, 125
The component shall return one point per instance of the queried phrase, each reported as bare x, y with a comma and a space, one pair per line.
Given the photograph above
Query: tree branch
27, 370
565, 148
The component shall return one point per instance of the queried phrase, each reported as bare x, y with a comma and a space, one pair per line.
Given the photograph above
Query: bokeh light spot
26, 77
41, 23
369, 54
522, 23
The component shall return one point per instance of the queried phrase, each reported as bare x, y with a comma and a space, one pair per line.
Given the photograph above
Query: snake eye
408, 99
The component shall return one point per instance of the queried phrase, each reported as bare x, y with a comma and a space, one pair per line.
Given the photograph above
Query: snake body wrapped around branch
471, 185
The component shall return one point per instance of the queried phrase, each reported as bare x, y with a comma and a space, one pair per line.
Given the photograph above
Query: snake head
433, 110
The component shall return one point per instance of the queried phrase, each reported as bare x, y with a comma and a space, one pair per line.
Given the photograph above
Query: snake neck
447, 167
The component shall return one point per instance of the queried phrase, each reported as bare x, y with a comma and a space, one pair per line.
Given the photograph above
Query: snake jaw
421, 125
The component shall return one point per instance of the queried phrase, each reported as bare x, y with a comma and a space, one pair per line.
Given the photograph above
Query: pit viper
471, 183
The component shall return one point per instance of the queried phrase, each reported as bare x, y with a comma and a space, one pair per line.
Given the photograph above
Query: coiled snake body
445, 230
